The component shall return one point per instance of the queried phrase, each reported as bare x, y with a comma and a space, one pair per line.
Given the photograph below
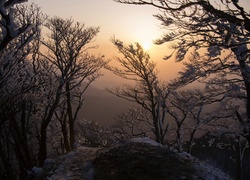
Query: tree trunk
70, 116
43, 144
157, 131
25, 144
247, 127
247, 138
247, 85
65, 136
6, 163
19, 153
238, 152
21, 144
241, 55
45, 122
191, 140
179, 138
161, 113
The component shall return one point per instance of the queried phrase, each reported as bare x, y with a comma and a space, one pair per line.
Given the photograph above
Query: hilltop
136, 159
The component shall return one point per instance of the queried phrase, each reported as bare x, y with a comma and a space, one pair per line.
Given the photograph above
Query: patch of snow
36, 171
186, 156
49, 161
146, 140
211, 173
89, 172
210, 142
76, 164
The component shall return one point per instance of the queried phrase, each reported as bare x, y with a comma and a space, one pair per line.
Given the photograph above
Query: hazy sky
126, 22
129, 23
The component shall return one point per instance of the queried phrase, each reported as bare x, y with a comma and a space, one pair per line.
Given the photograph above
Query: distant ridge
102, 107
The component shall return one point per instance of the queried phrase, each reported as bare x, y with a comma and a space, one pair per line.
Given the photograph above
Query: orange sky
133, 23
128, 23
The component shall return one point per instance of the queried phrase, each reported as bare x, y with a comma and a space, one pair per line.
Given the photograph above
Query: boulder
137, 159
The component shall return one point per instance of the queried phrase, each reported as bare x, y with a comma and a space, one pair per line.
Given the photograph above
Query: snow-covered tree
10, 28
194, 110
135, 122
74, 70
90, 133
148, 92
211, 31
17, 87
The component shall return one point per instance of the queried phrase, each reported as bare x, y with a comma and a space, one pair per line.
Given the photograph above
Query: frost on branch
214, 51
10, 29
181, 52
166, 21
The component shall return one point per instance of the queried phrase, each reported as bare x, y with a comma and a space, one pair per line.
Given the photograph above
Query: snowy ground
128, 160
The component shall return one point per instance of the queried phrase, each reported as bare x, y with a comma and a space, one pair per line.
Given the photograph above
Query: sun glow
146, 45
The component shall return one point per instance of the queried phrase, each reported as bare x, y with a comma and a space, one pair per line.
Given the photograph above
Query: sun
146, 45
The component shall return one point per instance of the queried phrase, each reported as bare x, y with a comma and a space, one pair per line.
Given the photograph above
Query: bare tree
17, 87
135, 122
92, 134
74, 70
10, 27
194, 110
213, 27
147, 92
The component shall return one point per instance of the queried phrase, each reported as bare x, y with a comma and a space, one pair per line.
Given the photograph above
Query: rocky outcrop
134, 160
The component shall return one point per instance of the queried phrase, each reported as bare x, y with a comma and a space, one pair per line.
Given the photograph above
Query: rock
133, 160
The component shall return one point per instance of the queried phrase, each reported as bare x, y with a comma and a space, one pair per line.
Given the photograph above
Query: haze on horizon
130, 24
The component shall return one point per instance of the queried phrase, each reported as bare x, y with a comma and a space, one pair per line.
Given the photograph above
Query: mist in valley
102, 107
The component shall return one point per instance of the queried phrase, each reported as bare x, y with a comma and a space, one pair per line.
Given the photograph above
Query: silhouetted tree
17, 86
90, 133
147, 92
74, 71
194, 110
135, 122
10, 27
218, 29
